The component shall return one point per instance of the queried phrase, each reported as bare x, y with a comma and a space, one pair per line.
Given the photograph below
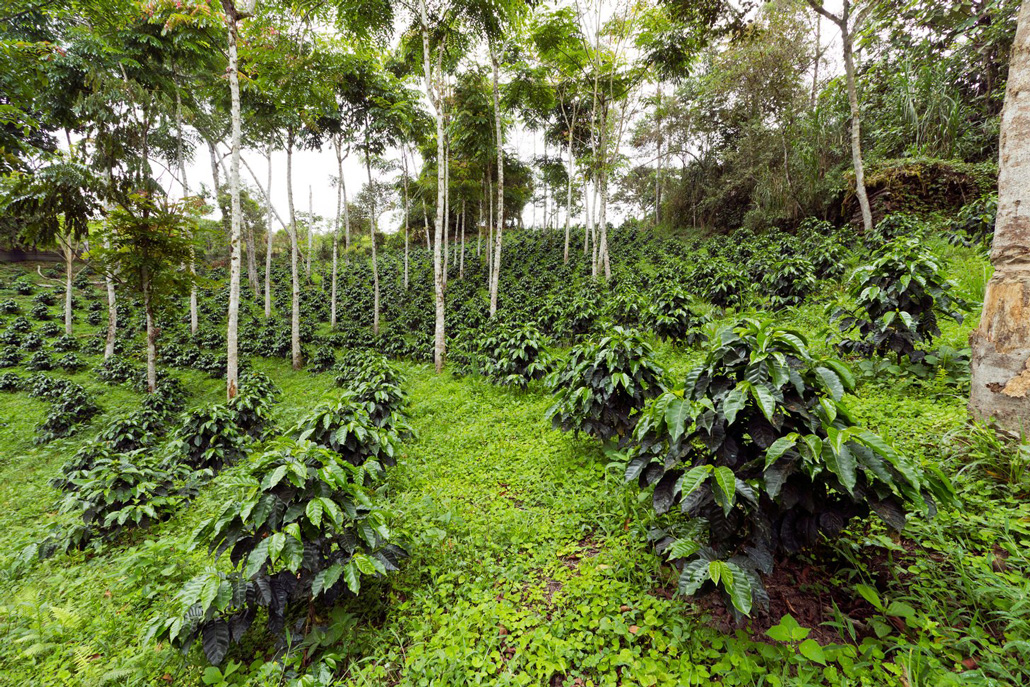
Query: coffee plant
758, 447
344, 426
897, 299
675, 316
604, 384
514, 355
304, 534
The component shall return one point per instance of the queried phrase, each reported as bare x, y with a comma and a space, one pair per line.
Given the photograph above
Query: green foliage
514, 355
304, 534
760, 447
897, 298
344, 425
209, 438
604, 384
675, 316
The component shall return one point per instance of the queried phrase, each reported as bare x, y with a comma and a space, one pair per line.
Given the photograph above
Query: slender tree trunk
498, 123
311, 232
148, 309
69, 257
1001, 344
479, 227
407, 213
252, 273
268, 247
461, 262
112, 311
294, 259
446, 214
440, 339
568, 200
336, 230
846, 32
232, 333
375, 259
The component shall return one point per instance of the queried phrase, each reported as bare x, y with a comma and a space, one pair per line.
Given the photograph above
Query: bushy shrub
209, 438
9, 307
70, 406
10, 356
31, 342
344, 426
23, 287
898, 296
70, 363
120, 491
39, 312
169, 397
788, 281
20, 325
759, 448
253, 404
515, 355
675, 316
45, 298
50, 330
40, 361
116, 370
93, 318
603, 384
304, 534
10, 381
65, 344
322, 361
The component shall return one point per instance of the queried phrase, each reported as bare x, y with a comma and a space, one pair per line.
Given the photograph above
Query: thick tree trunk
268, 247
232, 331
1001, 344
499, 125
294, 259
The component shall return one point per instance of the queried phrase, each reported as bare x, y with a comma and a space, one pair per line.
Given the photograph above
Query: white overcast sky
317, 169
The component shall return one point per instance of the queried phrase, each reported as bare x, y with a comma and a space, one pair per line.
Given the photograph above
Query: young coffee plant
304, 534
210, 438
70, 406
116, 370
344, 426
514, 355
675, 316
897, 298
788, 281
120, 491
604, 384
9, 381
758, 446
253, 404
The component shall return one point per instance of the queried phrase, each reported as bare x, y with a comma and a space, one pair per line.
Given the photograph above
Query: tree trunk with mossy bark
1000, 387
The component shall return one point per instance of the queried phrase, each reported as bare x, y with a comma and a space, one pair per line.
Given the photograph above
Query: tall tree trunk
447, 213
461, 262
846, 32
294, 259
407, 212
69, 257
1001, 344
311, 231
372, 234
440, 339
232, 332
112, 311
499, 125
336, 229
252, 273
568, 199
268, 247
148, 309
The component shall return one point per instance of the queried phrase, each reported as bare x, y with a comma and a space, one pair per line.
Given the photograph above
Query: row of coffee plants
754, 446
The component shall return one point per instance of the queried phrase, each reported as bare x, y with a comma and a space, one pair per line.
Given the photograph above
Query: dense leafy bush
119, 491
70, 406
10, 356
8, 307
40, 361
31, 342
788, 281
303, 535
758, 446
603, 385
974, 225
65, 344
897, 297
23, 287
9, 381
20, 325
169, 397
70, 363
39, 312
50, 330
322, 361
344, 426
253, 404
675, 316
514, 355
116, 370
210, 438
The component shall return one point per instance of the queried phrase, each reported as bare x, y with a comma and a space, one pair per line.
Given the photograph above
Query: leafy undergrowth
529, 558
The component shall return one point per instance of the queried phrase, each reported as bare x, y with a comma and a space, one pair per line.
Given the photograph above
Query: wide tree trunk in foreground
1001, 344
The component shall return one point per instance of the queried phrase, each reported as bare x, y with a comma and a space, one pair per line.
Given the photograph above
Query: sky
316, 170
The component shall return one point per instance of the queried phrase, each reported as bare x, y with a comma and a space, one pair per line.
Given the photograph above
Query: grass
529, 559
